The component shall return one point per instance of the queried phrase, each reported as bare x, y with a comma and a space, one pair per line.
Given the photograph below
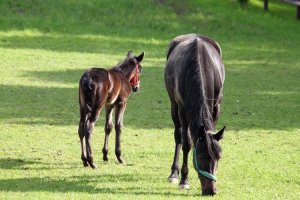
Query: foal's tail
86, 88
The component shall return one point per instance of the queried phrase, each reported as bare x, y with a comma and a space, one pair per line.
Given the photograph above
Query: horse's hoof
184, 187
105, 159
173, 180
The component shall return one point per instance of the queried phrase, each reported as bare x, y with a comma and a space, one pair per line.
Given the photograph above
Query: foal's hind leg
173, 178
107, 129
81, 136
89, 126
120, 109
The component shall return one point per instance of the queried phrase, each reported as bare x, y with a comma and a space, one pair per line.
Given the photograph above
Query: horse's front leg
107, 130
173, 178
119, 109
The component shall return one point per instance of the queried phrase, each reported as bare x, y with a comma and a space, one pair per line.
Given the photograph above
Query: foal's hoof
92, 165
121, 160
85, 162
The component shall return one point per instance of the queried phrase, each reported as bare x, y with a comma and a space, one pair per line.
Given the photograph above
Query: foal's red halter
136, 78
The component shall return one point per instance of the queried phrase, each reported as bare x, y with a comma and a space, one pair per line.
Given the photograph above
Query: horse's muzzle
209, 192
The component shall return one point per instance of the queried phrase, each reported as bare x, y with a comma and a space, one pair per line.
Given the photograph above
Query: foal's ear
129, 54
140, 57
219, 135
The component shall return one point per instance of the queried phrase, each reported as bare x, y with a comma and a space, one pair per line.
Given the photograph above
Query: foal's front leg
119, 109
107, 130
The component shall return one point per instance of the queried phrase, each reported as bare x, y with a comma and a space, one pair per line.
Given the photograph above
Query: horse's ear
219, 135
140, 57
129, 54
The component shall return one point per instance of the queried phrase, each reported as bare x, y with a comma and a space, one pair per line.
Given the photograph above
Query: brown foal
110, 88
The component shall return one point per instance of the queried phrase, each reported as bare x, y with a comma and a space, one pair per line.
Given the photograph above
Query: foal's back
95, 79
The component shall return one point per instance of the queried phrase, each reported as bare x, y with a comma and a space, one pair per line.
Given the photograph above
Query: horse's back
194, 55
188, 37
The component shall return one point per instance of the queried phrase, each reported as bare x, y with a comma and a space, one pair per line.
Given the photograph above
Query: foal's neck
124, 69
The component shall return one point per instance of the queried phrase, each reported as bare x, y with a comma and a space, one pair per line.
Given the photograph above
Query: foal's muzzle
135, 89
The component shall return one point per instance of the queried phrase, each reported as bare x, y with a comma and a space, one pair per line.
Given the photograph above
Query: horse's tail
87, 87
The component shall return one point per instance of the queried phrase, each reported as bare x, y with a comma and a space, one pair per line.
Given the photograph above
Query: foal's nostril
209, 192
135, 89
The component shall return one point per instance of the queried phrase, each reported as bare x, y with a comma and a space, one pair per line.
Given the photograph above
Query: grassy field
45, 46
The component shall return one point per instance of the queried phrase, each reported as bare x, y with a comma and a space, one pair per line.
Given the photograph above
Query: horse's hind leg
186, 147
173, 178
81, 136
107, 130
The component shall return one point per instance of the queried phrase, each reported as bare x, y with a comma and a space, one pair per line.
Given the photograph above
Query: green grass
45, 46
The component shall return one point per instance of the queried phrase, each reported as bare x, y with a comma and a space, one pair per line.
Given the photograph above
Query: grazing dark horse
110, 88
194, 77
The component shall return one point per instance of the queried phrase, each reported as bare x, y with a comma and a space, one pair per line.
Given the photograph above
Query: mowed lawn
45, 46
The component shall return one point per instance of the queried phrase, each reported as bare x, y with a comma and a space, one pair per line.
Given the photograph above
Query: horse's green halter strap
203, 173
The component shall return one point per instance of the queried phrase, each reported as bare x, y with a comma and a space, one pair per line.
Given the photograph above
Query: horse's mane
196, 106
197, 109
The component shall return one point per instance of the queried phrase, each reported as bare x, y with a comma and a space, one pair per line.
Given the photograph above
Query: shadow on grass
11, 163
72, 43
87, 184
89, 26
